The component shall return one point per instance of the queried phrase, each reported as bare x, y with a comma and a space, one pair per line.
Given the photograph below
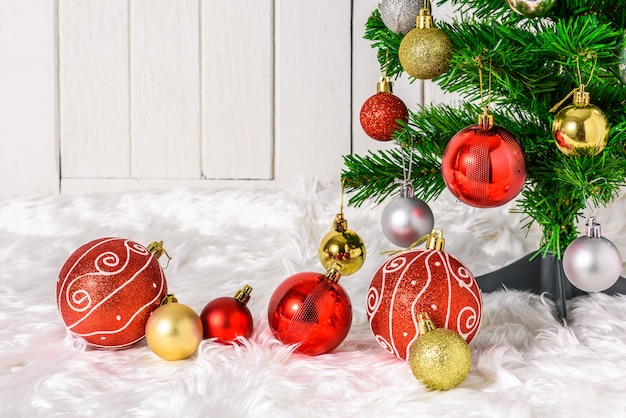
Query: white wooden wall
108, 95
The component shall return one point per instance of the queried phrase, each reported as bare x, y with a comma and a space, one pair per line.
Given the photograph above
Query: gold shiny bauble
174, 331
441, 359
343, 248
425, 53
580, 130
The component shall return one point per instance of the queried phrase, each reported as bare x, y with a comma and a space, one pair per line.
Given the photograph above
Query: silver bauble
531, 8
399, 15
405, 220
592, 263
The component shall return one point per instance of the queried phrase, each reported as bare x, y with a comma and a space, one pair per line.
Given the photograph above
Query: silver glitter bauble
592, 263
531, 8
406, 219
399, 15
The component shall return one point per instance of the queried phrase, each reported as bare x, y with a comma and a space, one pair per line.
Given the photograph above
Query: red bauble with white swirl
417, 281
107, 289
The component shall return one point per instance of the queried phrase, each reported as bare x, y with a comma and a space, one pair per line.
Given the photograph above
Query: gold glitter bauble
174, 331
580, 130
440, 358
425, 53
344, 248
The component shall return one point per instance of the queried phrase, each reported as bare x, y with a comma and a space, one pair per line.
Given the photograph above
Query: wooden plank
28, 130
365, 75
237, 89
93, 83
313, 103
165, 86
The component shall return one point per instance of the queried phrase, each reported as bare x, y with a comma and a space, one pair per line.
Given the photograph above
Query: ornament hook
407, 186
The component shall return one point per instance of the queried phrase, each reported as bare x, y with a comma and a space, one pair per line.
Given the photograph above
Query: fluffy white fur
525, 362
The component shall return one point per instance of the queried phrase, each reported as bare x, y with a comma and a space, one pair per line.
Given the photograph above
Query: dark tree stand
540, 275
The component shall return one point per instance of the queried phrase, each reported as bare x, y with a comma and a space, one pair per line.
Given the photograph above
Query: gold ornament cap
384, 85
435, 240
485, 120
333, 273
157, 250
340, 224
425, 324
582, 98
424, 19
243, 294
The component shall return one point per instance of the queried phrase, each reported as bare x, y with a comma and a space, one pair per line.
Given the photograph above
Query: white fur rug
525, 362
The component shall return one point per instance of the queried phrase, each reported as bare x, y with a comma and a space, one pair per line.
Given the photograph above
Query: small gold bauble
580, 130
425, 53
174, 331
343, 248
440, 358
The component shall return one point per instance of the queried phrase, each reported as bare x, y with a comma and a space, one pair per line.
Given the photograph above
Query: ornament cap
593, 228
425, 324
407, 190
333, 273
169, 298
243, 294
582, 98
485, 120
435, 240
340, 224
384, 85
157, 250
424, 20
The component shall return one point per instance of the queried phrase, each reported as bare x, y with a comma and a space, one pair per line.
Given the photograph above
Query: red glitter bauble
107, 289
418, 281
380, 113
312, 311
226, 319
484, 166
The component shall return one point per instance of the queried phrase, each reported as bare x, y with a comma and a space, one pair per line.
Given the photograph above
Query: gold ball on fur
342, 248
174, 331
425, 53
440, 358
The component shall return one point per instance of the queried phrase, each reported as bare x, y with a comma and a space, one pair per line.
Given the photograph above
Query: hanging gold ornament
342, 248
580, 129
425, 52
174, 330
440, 358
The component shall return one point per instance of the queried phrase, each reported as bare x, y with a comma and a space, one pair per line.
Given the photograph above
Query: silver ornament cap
592, 263
406, 219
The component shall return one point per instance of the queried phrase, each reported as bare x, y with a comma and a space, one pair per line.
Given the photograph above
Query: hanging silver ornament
592, 263
531, 8
406, 219
399, 15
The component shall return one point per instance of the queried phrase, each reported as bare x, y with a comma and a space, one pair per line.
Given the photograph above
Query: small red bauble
484, 166
107, 289
379, 113
228, 318
311, 310
422, 280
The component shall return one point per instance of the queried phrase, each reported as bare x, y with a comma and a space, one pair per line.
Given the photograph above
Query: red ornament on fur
228, 318
484, 165
379, 113
107, 289
422, 280
311, 310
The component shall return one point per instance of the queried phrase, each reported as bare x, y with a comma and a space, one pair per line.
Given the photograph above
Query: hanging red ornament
174, 330
227, 319
422, 280
592, 263
381, 112
483, 165
107, 289
311, 310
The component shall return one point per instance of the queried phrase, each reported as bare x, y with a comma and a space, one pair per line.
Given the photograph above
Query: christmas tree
525, 65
